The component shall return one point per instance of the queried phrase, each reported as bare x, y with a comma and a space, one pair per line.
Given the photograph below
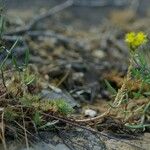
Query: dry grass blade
76, 124
24, 127
2, 134
63, 78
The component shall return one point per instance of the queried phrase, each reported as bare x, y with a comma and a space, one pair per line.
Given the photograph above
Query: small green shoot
110, 88
10, 114
26, 57
1, 26
49, 124
4, 61
139, 126
37, 118
63, 107
14, 61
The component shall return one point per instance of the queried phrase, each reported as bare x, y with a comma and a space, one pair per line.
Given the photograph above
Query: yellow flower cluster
134, 40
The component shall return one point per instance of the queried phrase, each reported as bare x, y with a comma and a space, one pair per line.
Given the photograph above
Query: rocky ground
73, 51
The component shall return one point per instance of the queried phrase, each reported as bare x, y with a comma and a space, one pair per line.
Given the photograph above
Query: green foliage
28, 99
28, 78
59, 105
133, 103
1, 26
142, 73
19, 87
14, 61
63, 107
49, 125
139, 126
26, 61
4, 61
8, 54
110, 88
37, 118
26, 57
10, 114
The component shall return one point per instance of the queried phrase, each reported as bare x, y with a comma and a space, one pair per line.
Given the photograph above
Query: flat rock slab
71, 139
68, 139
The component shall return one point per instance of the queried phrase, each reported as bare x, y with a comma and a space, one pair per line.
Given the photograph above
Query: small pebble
98, 54
78, 75
90, 113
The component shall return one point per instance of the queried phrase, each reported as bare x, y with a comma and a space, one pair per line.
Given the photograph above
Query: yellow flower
130, 37
141, 38
134, 40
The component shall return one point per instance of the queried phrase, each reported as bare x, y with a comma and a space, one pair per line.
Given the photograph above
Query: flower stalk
134, 41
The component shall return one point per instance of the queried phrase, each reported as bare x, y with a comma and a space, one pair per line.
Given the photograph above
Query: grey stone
59, 94
71, 139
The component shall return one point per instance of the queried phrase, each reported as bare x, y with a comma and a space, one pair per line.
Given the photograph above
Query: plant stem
122, 90
4, 61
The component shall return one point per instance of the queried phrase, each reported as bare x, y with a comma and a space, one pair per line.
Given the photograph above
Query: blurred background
83, 12
96, 27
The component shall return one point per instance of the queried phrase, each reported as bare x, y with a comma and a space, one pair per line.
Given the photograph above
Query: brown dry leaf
118, 79
137, 102
14, 86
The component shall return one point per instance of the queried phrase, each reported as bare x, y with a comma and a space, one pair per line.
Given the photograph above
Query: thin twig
32, 134
24, 128
3, 132
3, 78
63, 78
3, 95
72, 122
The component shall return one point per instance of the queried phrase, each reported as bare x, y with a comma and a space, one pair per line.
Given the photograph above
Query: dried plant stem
3, 78
63, 78
2, 135
122, 90
118, 99
25, 133
73, 123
